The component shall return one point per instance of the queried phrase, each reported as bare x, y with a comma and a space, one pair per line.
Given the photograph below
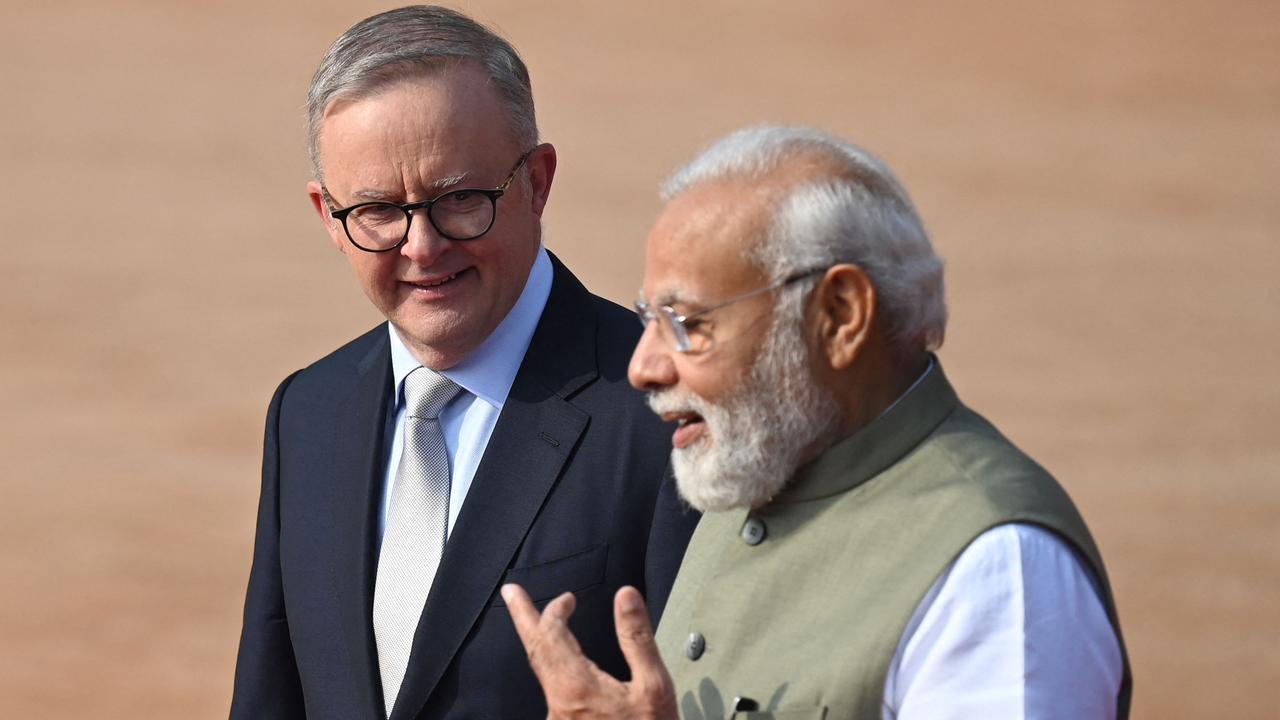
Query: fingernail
507, 591
630, 603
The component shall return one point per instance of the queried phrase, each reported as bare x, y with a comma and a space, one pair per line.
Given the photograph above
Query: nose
652, 367
424, 245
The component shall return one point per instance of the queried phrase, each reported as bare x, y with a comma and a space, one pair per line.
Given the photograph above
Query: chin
713, 481
437, 339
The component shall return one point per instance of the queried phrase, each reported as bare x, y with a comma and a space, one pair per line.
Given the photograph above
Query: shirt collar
490, 370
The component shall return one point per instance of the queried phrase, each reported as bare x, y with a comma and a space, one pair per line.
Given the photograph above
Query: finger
525, 616
546, 636
560, 609
635, 637
557, 638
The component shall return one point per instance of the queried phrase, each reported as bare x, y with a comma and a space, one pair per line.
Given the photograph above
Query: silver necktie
417, 526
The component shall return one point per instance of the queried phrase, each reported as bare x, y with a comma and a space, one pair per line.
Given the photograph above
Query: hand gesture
574, 686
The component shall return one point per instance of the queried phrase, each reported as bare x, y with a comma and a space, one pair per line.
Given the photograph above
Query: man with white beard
870, 548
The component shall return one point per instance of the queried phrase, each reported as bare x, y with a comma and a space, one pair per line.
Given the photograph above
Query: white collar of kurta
490, 370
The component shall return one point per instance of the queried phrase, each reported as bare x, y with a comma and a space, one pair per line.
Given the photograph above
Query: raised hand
574, 686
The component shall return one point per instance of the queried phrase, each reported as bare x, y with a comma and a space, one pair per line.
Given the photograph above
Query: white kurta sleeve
1013, 629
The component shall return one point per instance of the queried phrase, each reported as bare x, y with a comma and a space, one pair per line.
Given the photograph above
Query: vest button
753, 531
694, 646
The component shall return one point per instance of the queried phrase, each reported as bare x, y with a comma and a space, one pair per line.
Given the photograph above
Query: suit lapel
534, 436
359, 450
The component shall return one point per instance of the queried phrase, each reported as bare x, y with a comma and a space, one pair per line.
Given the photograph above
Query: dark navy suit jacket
572, 494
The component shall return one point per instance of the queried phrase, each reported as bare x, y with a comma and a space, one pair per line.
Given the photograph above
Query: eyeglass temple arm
758, 291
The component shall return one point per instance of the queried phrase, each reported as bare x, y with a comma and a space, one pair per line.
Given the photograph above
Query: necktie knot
426, 392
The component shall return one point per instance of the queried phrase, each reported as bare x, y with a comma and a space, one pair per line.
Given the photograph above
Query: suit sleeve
266, 677
673, 524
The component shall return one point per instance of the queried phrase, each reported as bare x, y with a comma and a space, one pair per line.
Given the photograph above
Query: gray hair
853, 211
415, 40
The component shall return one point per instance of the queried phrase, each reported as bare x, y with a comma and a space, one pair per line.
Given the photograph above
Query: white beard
754, 438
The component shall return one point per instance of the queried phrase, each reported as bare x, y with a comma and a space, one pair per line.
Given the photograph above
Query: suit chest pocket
572, 573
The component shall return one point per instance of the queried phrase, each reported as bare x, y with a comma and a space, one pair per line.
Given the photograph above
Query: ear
542, 170
337, 235
844, 306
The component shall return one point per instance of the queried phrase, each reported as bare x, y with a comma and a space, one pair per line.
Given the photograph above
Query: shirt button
753, 531
694, 646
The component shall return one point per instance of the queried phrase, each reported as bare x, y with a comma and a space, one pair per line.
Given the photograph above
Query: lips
437, 287
689, 427
433, 283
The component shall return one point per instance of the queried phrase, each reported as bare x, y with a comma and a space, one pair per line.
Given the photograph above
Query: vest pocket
811, 713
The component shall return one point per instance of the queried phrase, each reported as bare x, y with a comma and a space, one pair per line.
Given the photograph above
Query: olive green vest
799, 605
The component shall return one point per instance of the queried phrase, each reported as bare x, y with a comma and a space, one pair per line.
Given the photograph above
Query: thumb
635, 637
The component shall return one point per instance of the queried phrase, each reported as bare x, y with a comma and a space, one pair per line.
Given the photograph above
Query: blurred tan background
1100, 176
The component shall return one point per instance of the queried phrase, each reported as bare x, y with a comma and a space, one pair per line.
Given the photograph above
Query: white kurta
1013, 629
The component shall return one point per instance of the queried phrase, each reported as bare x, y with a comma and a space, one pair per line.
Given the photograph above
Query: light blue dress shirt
486, 375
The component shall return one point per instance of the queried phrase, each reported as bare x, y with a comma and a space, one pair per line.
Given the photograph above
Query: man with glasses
870, 548
484, 434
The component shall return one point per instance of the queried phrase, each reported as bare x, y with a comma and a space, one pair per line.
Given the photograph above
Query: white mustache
674, 401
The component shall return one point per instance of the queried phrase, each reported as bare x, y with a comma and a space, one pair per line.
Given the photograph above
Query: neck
874, 383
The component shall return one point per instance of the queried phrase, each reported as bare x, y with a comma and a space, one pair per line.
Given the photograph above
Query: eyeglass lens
683, 338
459, 215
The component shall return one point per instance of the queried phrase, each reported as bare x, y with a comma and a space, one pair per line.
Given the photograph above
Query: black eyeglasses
464, 214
